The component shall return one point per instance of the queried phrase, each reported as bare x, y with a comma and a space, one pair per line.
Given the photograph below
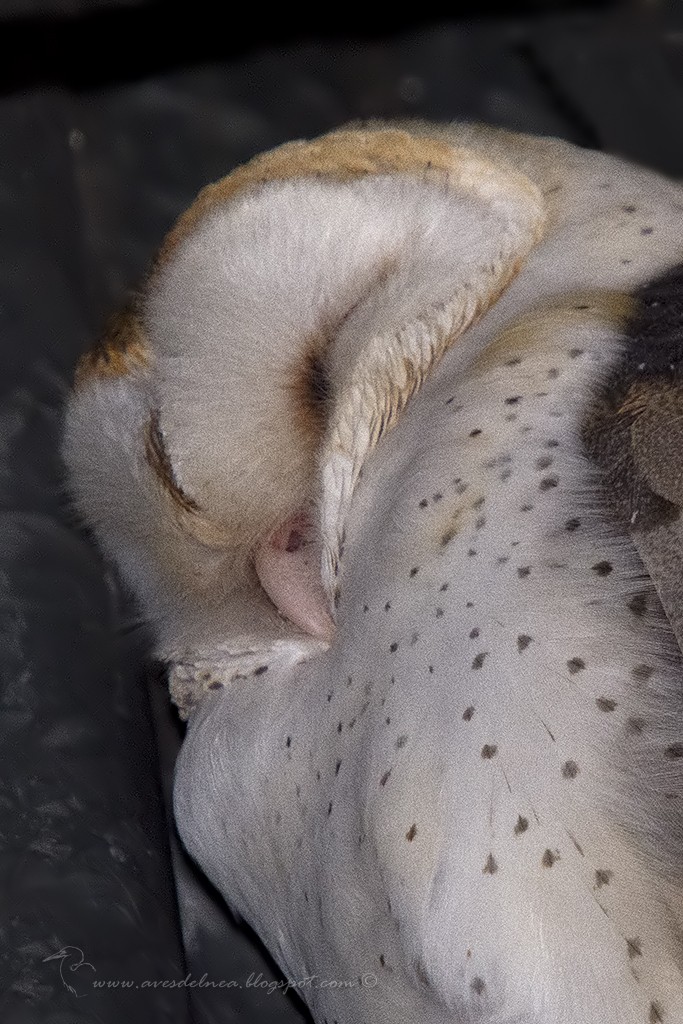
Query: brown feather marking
189, 516
657, 435
310, 392
531, 331
122, 347
343, 156
160, 463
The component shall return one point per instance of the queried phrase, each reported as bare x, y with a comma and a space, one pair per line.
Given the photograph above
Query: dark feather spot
605, 703
603, 568
576, 665
422, 975
490, 867
478, 660
523, 641
521, 825
642, 672
478, 986
638, 605
549, 858
635, 948
488, 751
411, 833
603, 876
673, 752
467, 714
385, 778
570, 770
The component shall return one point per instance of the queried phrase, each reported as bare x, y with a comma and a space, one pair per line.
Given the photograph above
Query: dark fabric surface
84, 864
89, 183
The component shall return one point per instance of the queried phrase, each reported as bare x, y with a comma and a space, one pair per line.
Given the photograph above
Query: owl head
215, 435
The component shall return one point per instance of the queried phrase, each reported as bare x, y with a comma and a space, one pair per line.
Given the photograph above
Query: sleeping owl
388, 449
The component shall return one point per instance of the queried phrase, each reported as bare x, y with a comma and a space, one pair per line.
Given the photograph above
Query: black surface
84, 862
120, 40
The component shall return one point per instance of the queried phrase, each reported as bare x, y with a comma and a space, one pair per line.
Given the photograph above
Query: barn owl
380, 449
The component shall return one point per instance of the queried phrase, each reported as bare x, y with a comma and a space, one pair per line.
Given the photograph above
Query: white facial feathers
285, 328
292, 313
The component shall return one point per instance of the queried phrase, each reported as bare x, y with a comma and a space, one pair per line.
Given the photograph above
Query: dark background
113, 113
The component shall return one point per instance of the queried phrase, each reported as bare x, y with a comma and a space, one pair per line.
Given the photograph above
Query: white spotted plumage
466, 807
508, 730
